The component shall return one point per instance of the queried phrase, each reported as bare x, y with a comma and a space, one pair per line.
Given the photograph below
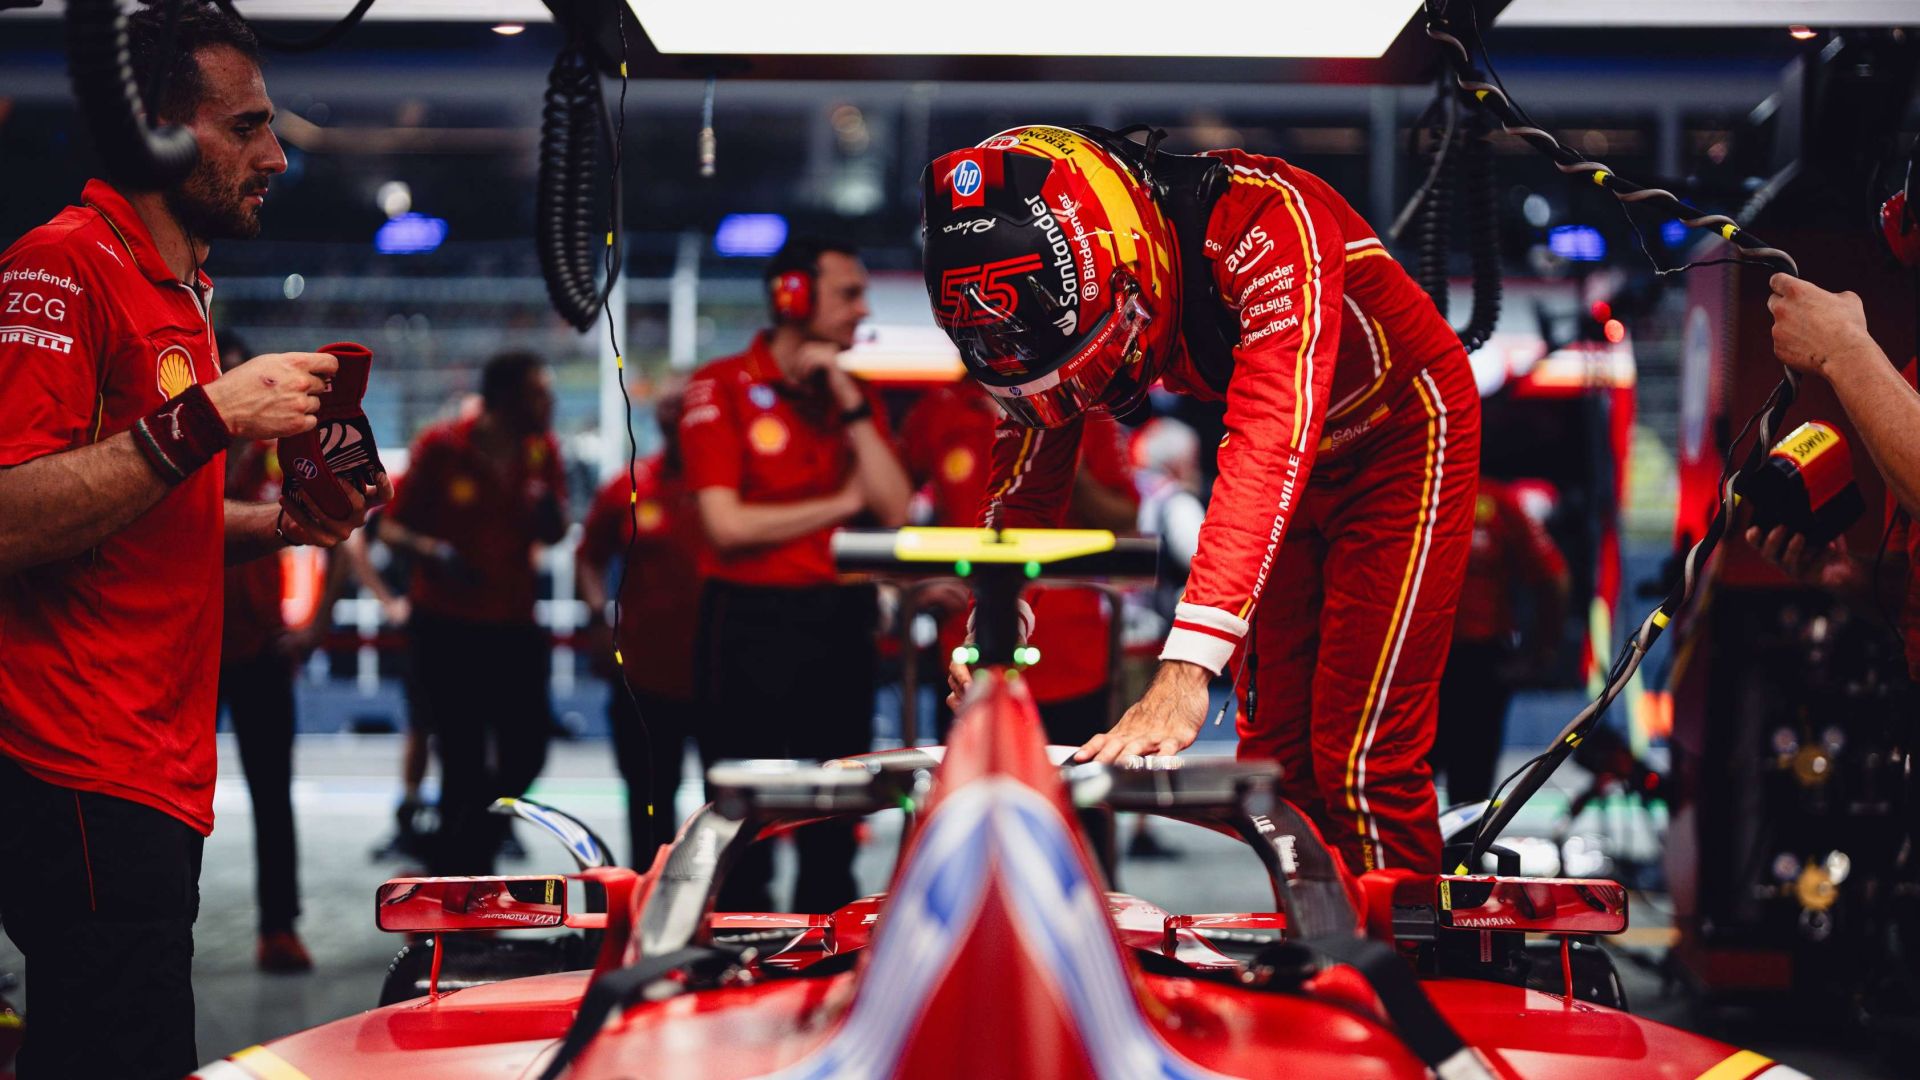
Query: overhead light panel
1204, 28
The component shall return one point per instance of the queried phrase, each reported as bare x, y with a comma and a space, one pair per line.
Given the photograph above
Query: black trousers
484, 688
788, 673
1474, 696
258, 695
649, 744
100, 895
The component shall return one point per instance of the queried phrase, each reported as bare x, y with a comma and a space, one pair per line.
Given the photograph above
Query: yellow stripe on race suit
1379, 334
1396, 629
1365, 253
267, 1065
1737, 1067
1307, 336
1027, 440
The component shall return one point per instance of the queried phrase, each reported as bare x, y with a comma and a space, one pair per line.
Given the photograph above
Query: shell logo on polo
173, 371
767, 435
536, 452
648, 515
462, 490
957, 465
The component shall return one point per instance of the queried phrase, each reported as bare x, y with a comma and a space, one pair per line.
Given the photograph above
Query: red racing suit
1339, 527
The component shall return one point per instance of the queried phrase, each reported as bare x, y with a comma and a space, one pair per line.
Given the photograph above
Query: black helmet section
987, 265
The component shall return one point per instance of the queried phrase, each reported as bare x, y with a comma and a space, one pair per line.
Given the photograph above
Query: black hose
1434, 222
318, 41
566, 229
104, 85
1483, 239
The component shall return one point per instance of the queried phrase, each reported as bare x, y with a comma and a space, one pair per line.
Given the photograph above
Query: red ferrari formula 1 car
997, 951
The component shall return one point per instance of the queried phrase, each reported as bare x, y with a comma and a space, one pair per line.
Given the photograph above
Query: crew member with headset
1073, 269
781, 447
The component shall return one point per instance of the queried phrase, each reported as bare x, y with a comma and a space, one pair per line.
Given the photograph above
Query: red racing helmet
1053, 270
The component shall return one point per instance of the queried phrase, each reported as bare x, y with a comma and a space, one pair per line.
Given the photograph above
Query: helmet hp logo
966, 178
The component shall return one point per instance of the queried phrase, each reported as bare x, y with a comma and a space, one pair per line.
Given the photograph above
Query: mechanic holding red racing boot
114, 530
1074, 269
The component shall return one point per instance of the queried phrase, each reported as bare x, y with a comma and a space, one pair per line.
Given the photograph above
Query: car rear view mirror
1538, 905
437, 905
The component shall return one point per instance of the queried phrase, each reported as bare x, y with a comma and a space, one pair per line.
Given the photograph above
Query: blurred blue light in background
750, 235
410, 234
1577, 243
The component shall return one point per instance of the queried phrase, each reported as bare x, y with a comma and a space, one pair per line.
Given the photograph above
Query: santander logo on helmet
1052, 269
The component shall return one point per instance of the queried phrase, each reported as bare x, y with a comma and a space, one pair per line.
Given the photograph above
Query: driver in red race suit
1074, 269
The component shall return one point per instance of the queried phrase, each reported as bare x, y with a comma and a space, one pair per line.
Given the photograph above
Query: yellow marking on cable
1660, 619
618, 659
609, 239
619, 362
267, 1065
1739, 1066
633, 498
1480, 95
623, 69
1729, 229
649, 809
1574, 740
1600, 177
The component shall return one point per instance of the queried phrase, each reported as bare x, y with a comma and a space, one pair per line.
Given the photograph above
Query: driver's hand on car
1165, 720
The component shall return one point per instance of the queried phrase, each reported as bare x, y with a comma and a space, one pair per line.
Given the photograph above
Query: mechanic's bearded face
221, 198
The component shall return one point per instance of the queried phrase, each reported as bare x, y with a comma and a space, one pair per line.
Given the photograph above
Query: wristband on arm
181, 435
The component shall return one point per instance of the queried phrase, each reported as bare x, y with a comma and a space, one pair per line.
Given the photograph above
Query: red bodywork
996, 953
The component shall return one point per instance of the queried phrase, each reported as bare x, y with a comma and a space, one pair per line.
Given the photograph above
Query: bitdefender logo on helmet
966, 178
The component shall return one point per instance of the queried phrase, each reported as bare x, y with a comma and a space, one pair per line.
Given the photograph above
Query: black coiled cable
566, 228
296, 45
1483, 239
1435, 222
104, 85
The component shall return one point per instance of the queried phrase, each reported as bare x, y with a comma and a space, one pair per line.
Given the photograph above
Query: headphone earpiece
793, 296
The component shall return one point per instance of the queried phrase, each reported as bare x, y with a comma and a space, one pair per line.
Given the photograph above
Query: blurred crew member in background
478, 494
259, 656
781, 448
647, 532
1511, 555
114, 535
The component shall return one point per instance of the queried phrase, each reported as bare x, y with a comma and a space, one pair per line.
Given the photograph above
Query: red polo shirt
1509, 548
453, 492
947, 445
745, 429
109, 660
660, 593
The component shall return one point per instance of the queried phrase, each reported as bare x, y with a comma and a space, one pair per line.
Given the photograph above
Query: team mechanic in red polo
113, 535
479, 494
781, 447
648, 524
1073, 269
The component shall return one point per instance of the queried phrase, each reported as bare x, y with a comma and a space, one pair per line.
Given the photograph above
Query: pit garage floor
344, 796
